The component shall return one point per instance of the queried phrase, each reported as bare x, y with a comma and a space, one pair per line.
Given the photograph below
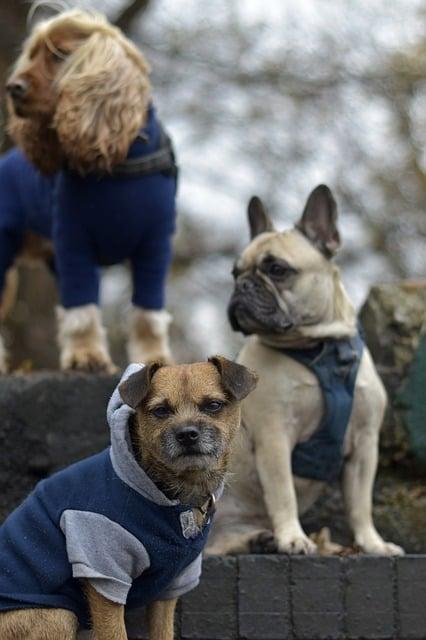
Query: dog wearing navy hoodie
93, 172
126, 527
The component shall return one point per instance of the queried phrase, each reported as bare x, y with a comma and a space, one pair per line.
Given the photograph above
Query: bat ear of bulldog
237, 380
136, 387
319, 221
259, 220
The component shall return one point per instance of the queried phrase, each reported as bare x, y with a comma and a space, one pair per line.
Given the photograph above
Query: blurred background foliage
269, 98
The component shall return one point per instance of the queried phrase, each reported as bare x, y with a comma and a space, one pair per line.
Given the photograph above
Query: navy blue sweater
93, 221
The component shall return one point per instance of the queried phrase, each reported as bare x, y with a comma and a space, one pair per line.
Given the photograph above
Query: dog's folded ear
319, 221
135, 388
259, 219
237, 380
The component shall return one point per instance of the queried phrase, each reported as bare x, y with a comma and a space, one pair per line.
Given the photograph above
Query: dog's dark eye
162, 411
214, 406
277, 270
235, 272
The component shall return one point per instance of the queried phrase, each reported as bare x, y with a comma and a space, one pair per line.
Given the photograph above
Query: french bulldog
289, 299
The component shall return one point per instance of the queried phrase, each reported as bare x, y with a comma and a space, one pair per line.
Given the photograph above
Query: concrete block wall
307, 598
302, 598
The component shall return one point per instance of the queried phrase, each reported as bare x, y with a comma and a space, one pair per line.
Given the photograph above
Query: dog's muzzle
254, 309
17, 89
191, 440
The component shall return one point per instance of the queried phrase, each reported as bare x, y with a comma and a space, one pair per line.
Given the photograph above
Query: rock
394, 320
48, 421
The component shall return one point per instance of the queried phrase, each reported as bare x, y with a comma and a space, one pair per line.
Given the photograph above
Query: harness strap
160, 161
335, 364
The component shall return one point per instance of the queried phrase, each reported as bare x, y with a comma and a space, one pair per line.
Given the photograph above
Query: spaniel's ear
103, 97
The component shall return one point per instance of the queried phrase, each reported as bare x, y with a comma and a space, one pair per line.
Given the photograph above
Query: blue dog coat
102, 519
93, 220
335, 363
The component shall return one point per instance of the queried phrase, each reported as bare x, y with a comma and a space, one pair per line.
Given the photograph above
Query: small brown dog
126, 527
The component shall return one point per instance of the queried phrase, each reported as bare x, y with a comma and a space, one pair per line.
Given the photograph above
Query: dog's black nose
187, 436
17, 88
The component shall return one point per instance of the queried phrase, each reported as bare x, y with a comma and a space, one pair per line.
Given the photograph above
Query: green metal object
413, 397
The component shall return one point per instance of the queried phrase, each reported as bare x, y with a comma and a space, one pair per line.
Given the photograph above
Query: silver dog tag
188, 524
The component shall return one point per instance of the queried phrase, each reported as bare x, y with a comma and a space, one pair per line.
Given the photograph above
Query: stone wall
302, 598
48, 421
394, 319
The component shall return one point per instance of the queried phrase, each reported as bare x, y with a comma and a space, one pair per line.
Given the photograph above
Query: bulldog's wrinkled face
285, 280
187, 415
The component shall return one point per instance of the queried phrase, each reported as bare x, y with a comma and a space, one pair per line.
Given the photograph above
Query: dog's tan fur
185, 389
38, 624
287, 406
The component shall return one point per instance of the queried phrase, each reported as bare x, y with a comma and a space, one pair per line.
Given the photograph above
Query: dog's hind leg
161, 619
149, 336
3, 357
7, 301
38, 624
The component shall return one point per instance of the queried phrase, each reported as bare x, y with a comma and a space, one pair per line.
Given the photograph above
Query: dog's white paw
370, 542
297, 543
383, 548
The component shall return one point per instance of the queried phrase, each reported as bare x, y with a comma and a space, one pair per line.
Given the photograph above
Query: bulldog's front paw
88, 361
369, 541
296, 543
383, 548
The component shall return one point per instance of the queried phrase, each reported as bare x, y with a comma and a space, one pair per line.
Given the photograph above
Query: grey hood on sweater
122, 456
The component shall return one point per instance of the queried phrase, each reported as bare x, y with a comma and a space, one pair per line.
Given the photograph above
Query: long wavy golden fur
87, 96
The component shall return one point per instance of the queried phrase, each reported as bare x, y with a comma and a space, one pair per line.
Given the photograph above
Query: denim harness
335, 363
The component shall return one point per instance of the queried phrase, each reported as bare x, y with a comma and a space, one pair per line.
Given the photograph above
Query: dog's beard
254, 309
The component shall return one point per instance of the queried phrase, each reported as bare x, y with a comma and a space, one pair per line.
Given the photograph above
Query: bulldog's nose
17, 88
187, 436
